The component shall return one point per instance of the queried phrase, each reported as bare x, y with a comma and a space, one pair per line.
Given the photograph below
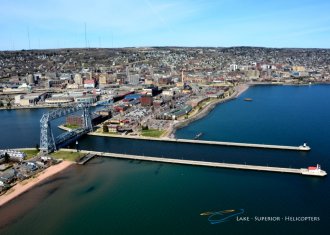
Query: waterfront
133, 197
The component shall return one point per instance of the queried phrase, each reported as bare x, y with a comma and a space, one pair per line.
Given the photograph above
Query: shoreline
169, 134
25, 185
40, 106
239, 90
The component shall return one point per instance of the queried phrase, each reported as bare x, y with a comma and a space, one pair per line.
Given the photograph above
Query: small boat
248, 99
198, 135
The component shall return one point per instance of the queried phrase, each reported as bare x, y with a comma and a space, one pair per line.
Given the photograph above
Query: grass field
152, 133
71, 126
30, 153
70, 156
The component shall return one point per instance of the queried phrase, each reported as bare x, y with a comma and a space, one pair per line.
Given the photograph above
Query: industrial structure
47, 141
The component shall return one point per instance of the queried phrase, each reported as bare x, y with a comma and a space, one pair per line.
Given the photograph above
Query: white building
13, 154
233, 67
78, 79
134, 79
18, 99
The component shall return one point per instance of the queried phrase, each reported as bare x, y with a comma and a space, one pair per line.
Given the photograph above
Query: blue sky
127, 23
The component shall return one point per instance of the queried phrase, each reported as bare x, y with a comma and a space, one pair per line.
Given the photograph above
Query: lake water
109, 196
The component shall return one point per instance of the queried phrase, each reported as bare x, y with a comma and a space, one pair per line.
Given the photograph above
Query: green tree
105, 128
7, 157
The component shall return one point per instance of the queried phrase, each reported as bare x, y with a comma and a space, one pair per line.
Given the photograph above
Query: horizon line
140, 47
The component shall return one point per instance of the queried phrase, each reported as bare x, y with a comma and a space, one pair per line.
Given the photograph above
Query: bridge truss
47, 142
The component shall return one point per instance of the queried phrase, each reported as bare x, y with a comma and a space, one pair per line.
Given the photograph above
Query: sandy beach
27, 184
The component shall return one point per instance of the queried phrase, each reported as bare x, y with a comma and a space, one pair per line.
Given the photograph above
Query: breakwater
302, 171
222, 143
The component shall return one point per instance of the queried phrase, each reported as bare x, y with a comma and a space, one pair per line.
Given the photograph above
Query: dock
86, 158
303, 147
301, 171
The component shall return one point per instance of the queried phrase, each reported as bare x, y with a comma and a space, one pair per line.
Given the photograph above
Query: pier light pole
77, 145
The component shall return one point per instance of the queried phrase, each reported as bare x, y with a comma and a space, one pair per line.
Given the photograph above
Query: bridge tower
87, 119
47, 140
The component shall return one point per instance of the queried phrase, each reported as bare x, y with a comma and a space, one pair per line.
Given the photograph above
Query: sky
36, 24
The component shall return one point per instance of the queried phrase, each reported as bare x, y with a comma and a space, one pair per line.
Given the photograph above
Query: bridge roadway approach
201, 163
232, 144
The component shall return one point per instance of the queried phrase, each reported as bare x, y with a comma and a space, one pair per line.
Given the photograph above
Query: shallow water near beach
109, 196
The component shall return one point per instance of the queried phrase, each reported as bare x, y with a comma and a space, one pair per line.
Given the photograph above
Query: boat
198, 135
313, 170
248, 99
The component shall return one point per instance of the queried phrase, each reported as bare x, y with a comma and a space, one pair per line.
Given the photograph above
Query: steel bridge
47, 141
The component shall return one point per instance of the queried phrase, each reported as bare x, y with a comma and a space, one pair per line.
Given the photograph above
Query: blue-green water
109, 196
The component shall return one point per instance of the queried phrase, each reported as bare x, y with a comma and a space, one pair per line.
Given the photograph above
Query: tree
105, 128
7, 157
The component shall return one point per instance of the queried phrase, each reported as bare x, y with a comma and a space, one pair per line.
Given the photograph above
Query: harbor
308, 171
116, 190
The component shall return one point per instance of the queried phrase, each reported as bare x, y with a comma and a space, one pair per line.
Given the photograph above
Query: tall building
298, 68
103, 78
233, 67
30, 79
78, 79
134, 79
252, 74
146, 100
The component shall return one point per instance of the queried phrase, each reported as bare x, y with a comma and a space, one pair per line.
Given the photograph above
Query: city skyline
61, 24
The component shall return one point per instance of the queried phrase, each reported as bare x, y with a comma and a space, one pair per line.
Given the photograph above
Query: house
8, 176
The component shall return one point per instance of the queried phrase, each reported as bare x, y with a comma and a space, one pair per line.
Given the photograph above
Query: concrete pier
203, 163
303, 147
86, 158
266, 146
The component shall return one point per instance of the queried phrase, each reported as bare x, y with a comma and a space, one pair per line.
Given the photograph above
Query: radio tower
85, 36
28, 34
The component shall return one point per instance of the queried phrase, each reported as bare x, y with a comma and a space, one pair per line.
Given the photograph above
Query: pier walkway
266, 146
232, 144
203, 163
86, 158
